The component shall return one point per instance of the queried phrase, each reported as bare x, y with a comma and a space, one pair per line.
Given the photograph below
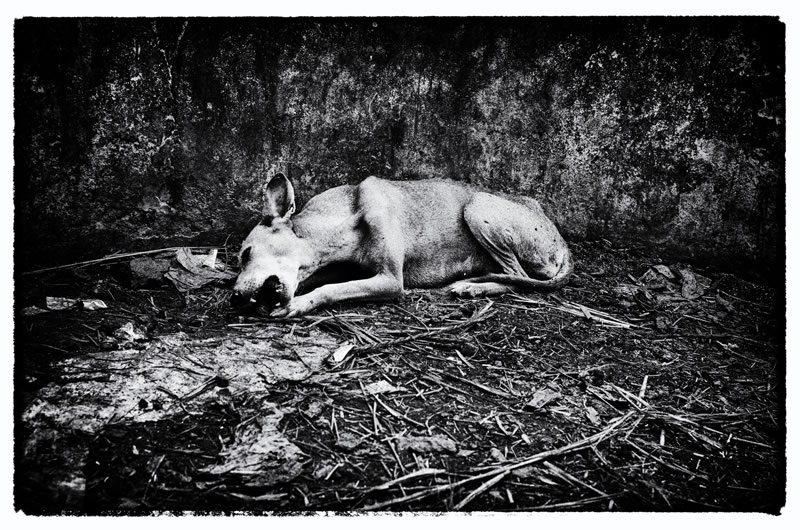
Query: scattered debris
541, 398
341, 353
315, 408
260, 454
112, 257
146, 271
726, 305
32, 311
662, 322
662, 286
664, 271
55, 303
382, 387
593, 416
195, 271
93, 305
690, 288
348, 441
602, 318
325, 471
496, 455
178, 372
427, 444
129, 334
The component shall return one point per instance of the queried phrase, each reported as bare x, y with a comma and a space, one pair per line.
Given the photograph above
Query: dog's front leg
379, 287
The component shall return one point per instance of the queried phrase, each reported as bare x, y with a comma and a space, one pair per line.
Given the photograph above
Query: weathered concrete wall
663, 132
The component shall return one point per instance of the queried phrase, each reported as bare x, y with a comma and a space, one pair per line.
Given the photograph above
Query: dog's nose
238, 299
270, 293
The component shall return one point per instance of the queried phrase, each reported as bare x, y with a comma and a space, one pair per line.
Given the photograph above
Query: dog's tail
529, 284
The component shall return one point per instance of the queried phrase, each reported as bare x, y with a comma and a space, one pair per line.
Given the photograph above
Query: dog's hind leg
520, 238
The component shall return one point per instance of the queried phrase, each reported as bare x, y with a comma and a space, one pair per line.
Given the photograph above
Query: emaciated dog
423, 233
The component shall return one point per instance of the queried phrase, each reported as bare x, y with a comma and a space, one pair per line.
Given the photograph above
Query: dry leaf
348, 441
210, 260
339, 355
194, 271
56, 303
93, 305
33, 310
382, 387
593, 416
127, 333
146, 270
690, 289
665, 271
427, 444
728, 306
497, 455
542, 398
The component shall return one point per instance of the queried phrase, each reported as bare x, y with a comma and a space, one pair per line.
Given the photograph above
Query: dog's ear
279, 198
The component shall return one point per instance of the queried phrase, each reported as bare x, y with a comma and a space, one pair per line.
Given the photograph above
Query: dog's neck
325, 240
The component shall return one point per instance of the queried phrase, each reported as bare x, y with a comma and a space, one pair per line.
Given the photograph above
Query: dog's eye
245, 256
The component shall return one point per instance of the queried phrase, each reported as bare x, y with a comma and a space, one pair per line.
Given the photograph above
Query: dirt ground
642, 385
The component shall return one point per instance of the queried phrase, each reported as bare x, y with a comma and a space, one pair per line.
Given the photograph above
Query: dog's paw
279, 312
297, 307
466, 290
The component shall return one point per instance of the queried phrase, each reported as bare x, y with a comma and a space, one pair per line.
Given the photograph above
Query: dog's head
272, 254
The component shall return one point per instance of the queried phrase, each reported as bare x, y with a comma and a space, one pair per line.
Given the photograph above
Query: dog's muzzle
270, 295
239, 300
